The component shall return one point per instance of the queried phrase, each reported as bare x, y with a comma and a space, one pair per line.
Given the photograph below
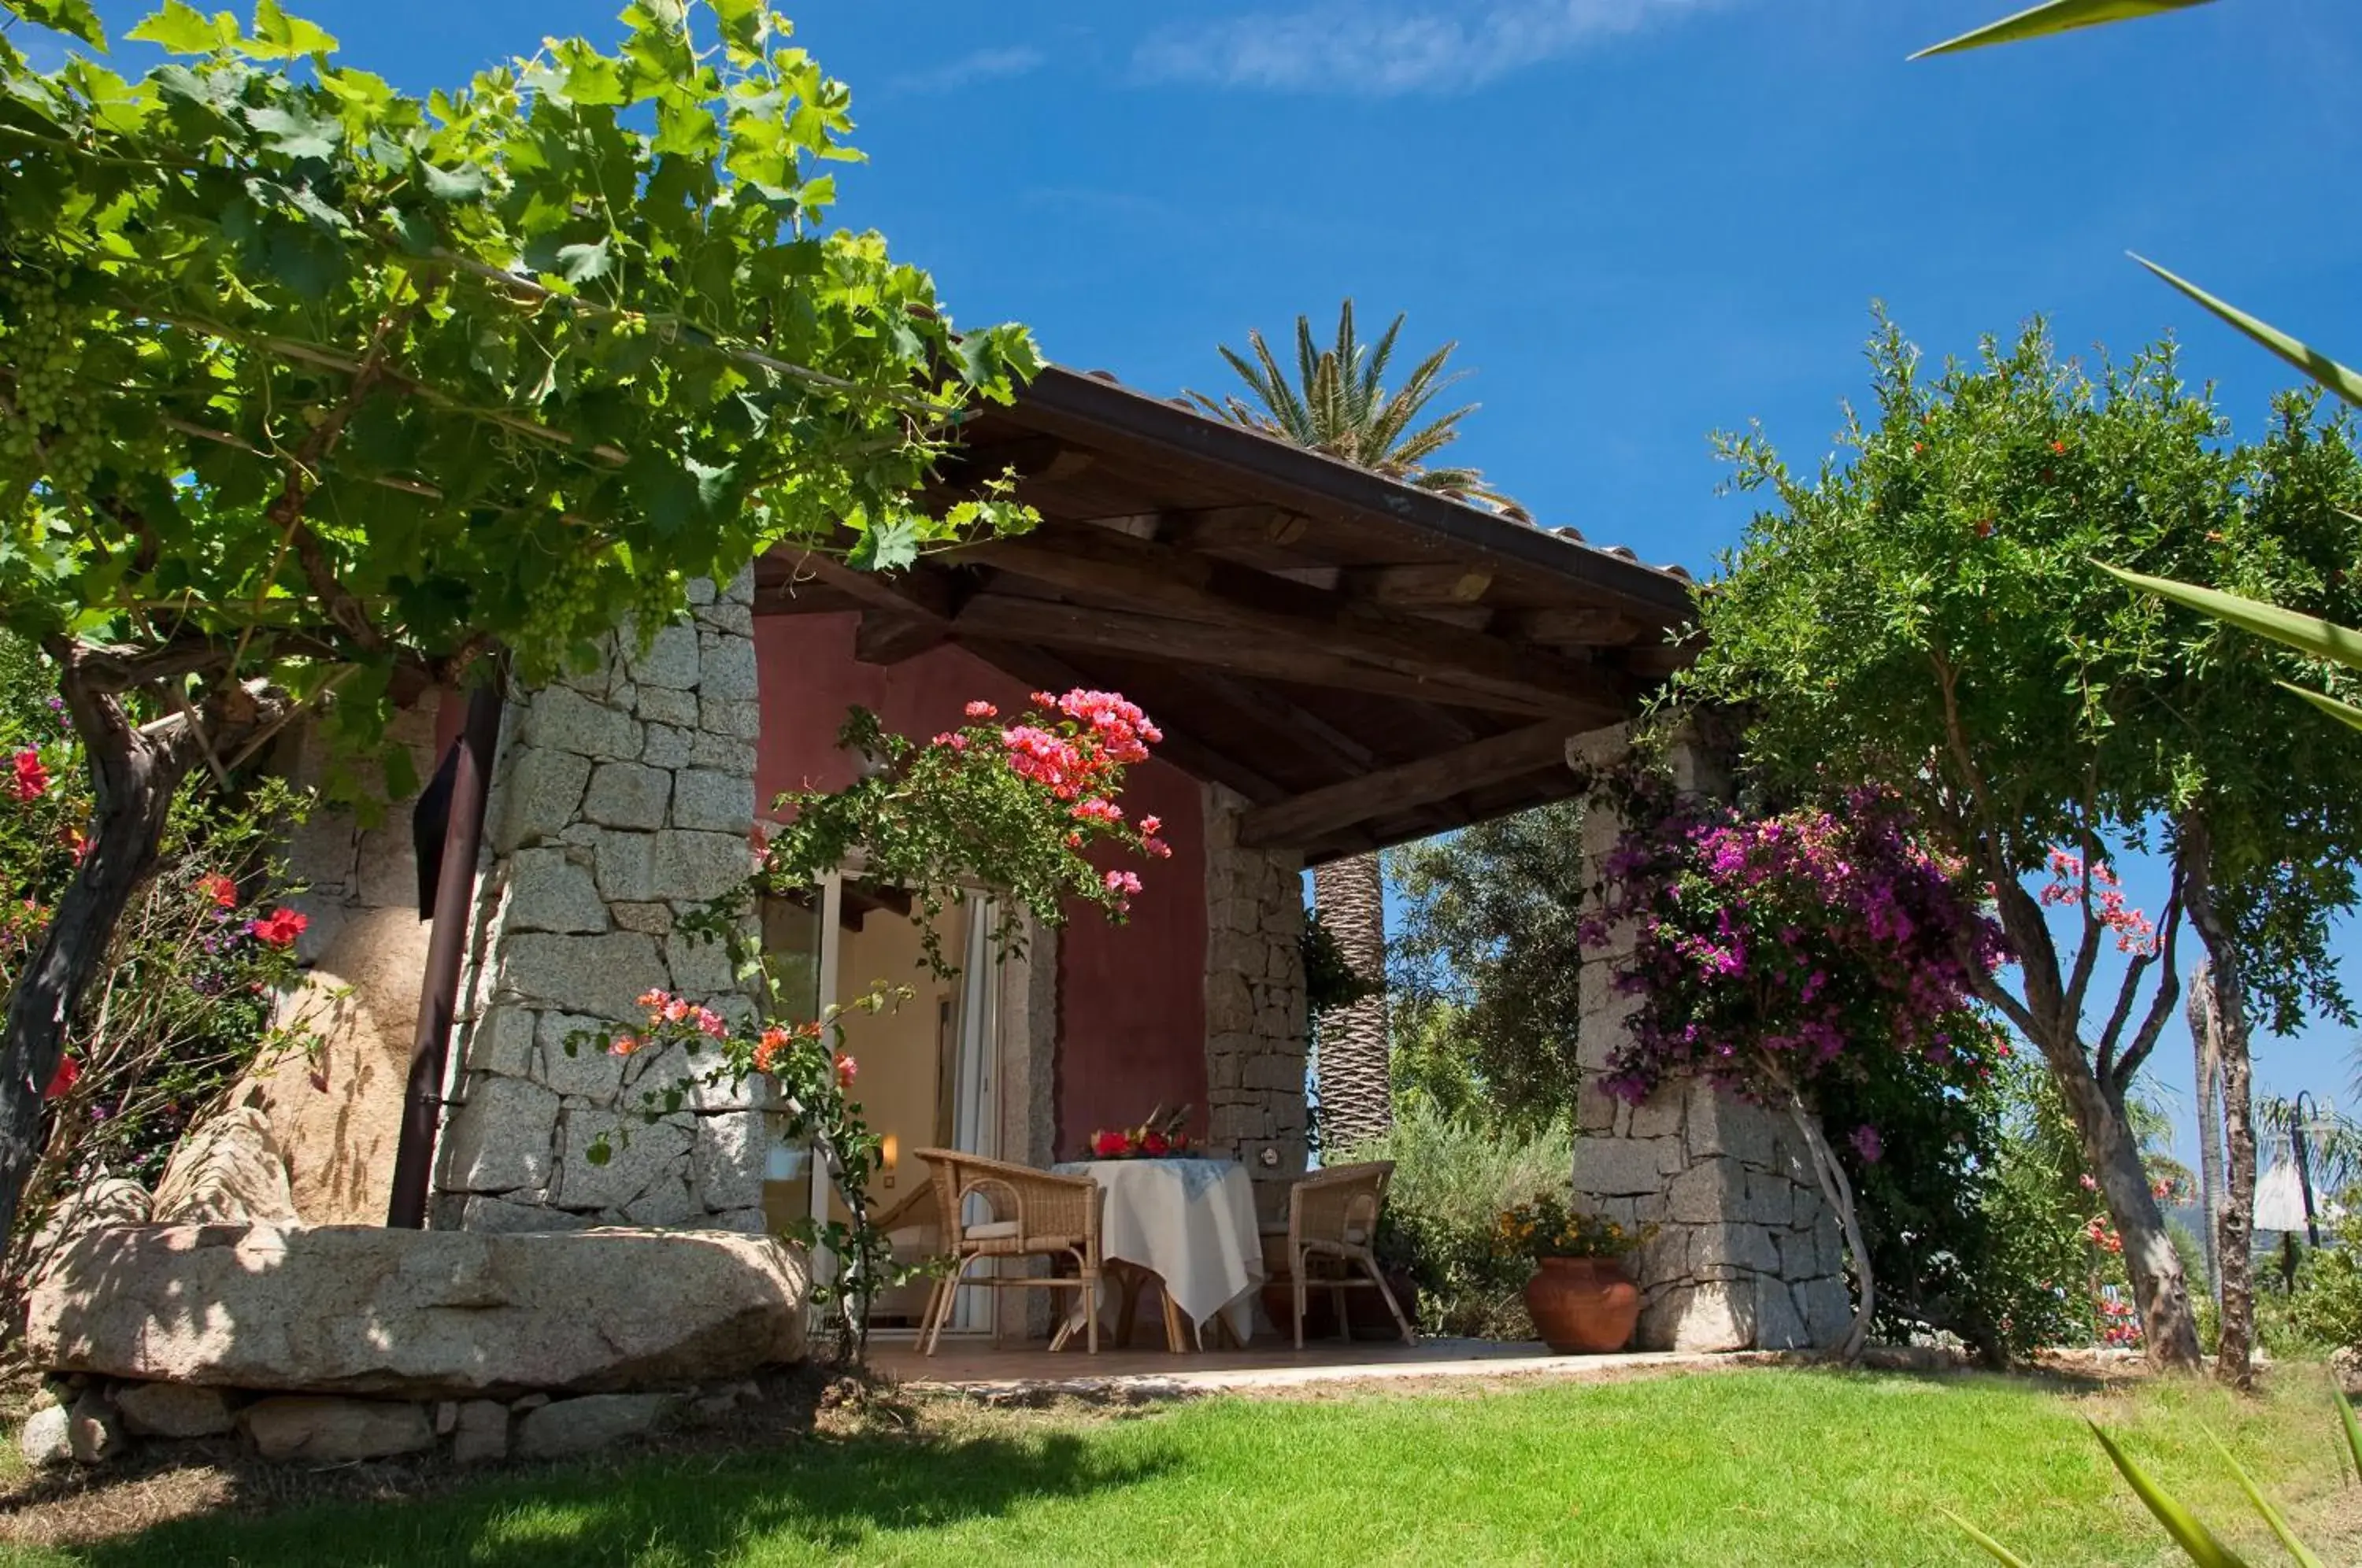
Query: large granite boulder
419, 1314
229, 1169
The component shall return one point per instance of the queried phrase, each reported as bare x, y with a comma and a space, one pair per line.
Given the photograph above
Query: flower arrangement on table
1158, 1138
1548, 1228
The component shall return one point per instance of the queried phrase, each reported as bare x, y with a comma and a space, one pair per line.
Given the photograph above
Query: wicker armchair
1332, 1215
1034, 1213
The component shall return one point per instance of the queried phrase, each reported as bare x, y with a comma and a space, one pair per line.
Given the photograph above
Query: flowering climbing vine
1019, 806
1775, 954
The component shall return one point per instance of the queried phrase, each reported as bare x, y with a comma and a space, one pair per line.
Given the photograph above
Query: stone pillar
623, 800
1255, 1024
1746, 1253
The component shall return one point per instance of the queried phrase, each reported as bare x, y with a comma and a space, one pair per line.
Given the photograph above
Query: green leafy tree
1339, 404
311, 390
1483, 968
1925, 616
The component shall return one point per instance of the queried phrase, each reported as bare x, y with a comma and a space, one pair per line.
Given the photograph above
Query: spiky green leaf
2297, 1549
2335, 377
2189, 1533
2307, 634
1994, 1549
2352, 1427
2056, 17
2343, 712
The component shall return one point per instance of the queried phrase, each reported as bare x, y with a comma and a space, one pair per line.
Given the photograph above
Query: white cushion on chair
990, 1231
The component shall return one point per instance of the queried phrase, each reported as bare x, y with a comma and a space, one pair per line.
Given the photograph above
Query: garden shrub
1455, 1175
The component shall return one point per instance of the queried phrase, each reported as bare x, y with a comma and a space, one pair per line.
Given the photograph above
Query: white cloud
1390, 47
984, 65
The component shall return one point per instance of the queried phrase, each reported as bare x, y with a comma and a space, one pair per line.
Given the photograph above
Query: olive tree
313, 391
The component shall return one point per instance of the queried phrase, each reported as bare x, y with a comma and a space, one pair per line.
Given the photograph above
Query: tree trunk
1839, 1190
2160, 1290
2204, 1028
1355, 1060
133, 777
2227, 1009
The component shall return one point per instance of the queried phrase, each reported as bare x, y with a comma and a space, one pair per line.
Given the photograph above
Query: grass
1767, 1466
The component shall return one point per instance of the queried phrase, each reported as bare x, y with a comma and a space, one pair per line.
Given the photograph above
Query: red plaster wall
1132, 999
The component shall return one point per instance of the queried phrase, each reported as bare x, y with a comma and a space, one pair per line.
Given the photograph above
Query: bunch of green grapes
60, 440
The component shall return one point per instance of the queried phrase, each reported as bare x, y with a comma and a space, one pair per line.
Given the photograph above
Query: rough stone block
664, 705
723, 802
336, 1431
229, 1167
602, 976
1778, 1324
1717, 1251
172, 1410
93, 1432
638, 1156
353, 1310
728, 1160
1658, 1117
627, 795
1717, 1315
547, 891
587, 1072
1827, 1308
1720, 1125
701, 969
480, 1433
656, 920
510, 1216
500, 1141
671, 1201
700, 865
735, 619
501, 1042
569, 1426
669, 659
562, 719
1609, 1167
387, 869
728, 716
726, 667
541, 795
668, 746
623, 865
44, 1440
1708, 1192
722, 754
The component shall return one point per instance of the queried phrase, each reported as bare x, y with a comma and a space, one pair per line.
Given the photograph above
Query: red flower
767, 1049
220, 888
31, 778
1156, 1143
846, 1068
68, 1072
279, 928
1110, 1145
2059, 448
1984, 527
982, 709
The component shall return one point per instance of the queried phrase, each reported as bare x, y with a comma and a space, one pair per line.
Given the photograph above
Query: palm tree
1339, 404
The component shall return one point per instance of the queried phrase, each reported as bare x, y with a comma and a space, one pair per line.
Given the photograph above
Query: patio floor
975, 1366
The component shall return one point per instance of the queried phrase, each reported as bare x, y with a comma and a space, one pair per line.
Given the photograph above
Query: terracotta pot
1583, 1306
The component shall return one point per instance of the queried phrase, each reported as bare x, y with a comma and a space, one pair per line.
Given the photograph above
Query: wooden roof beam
1316, 816
1004, 617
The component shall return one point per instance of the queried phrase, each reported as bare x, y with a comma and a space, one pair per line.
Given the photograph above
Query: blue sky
1642, 219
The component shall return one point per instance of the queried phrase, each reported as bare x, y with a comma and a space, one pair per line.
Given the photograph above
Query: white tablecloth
1191, 1223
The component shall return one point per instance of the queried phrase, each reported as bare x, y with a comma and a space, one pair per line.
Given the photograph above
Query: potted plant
1580, 1298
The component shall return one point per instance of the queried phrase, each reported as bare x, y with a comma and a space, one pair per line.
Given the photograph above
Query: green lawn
1770, 1466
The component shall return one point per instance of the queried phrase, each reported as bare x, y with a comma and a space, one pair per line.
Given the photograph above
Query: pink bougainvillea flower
28, 779
1122, 882
848, 1069
1869, 1144
981, 709
653, 1000
710, 1022
279, 928
1151, 826
624, 1045
767, 1049
220, 890
62, 1081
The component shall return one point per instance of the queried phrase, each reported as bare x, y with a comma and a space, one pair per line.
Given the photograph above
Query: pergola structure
1363, 662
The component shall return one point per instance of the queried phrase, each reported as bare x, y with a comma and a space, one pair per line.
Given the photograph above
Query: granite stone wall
621, 799
1255, 1024
1746, 1253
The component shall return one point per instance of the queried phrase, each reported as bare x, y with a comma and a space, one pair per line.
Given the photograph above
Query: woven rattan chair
1332, 1215
1034, 1213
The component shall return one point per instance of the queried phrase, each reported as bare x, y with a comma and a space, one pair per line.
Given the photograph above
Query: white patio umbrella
2280, 1199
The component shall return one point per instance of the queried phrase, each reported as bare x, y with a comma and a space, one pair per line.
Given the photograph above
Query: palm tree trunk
1354, 1068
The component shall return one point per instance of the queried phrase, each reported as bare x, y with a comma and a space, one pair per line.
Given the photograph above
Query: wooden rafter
1311, 817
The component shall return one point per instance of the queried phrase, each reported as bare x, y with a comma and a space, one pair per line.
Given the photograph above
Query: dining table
1191, 1223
